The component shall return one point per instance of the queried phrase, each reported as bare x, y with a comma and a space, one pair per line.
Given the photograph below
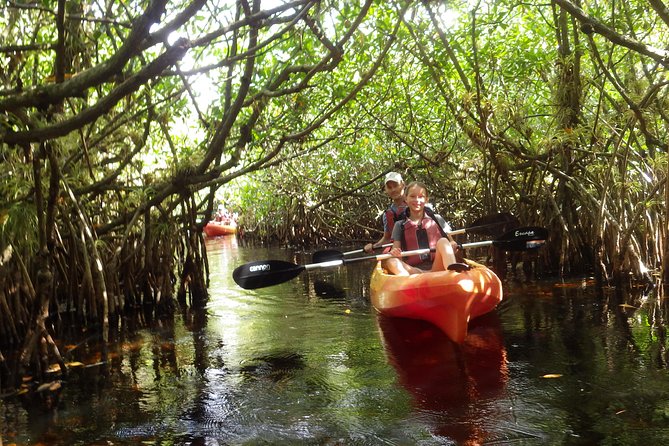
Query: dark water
309, 362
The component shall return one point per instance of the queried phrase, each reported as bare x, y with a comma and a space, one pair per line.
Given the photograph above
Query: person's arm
396, 237
396, 250
369, 247
457, 248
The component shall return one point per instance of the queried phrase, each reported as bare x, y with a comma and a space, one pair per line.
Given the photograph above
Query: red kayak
216, 228
448, 299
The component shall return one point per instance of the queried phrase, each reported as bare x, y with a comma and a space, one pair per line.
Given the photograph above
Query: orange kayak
448, 299
216, 228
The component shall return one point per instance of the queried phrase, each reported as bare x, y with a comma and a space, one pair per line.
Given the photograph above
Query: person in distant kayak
420, 229
221, 213
393, 186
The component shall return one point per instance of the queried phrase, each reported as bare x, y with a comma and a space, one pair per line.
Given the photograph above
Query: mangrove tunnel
123, 126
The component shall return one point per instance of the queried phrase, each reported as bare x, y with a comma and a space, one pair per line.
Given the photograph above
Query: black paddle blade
265, 273
522, 239
327, 255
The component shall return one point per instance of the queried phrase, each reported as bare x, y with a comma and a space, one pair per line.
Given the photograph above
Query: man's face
394, 189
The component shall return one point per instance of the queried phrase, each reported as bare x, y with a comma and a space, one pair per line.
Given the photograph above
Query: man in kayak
421, 229
393, 186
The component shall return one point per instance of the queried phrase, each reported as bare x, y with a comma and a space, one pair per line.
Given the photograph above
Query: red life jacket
415, 237
392, 216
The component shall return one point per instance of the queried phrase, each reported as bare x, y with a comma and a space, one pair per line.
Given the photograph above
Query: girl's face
416, 198
394, 189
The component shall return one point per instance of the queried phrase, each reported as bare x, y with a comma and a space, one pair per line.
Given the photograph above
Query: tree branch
44, 96
590, 25
169, 58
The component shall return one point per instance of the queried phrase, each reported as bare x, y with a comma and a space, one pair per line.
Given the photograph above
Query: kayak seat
459, 267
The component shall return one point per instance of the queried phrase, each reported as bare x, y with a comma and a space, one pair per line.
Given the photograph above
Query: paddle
264, 273
332, 254
492, 221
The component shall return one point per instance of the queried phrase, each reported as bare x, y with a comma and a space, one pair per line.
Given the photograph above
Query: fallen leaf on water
575, 284
553, 375
74, 364
95, 364
43, 387
53, 368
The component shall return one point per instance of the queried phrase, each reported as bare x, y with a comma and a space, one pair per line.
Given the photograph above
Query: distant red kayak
448, 299
216, 228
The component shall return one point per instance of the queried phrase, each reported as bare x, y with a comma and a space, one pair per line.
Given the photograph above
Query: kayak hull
216, 228
448, 299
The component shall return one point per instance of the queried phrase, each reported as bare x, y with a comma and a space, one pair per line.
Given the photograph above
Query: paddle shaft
266, 273
330, 252
339, 262
530, 244
358, 251
453, 232
271, 272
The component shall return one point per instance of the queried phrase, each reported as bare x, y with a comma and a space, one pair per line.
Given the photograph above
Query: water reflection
454, 386
308, 362
222, 254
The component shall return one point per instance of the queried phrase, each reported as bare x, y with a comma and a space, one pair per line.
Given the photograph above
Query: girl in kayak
419, 230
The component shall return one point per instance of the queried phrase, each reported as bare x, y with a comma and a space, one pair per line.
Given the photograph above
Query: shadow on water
327, 290
276, 367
